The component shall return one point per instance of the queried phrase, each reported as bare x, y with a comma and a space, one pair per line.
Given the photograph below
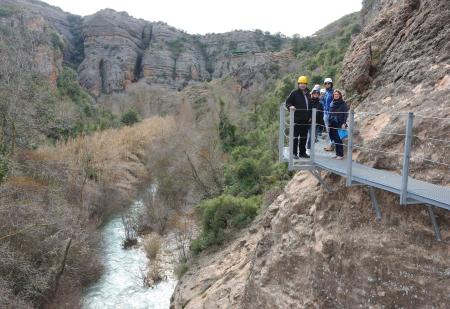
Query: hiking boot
295, 157
304, 156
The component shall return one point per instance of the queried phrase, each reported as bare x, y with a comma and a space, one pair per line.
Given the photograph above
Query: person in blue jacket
327, 99
321, 128
338, 120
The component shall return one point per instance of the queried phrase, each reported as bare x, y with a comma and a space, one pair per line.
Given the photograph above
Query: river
121, 284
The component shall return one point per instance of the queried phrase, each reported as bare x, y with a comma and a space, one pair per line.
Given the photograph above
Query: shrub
3, 163
222, 215
227, 130
181, 269
130, 231
130, 117
68, 86
8, 10
176, 47
57, 41
152, 246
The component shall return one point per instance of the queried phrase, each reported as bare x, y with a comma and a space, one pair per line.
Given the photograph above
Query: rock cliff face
400, 63
29, 31
112, 44
67, 25
120, 50
313, 249
112, 50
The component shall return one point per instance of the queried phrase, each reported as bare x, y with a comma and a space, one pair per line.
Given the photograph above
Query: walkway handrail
291, 140
313, 136
406, 159
411, 191
281, 133
351, 123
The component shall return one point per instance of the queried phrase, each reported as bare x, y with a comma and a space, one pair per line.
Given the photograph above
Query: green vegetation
251, 173
176, 47
68, 86
8, 10
75, 27
321, 55
222, 215
3, 163
181, 268
57, 41
130, 117
87, 118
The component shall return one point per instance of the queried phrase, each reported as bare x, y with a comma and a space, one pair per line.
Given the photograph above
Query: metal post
313, 135
375, 205
291, 140
406, 158
281, 134
351, 123
437, 232
316, 173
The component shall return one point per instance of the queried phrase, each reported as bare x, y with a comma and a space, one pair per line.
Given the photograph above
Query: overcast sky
202, 16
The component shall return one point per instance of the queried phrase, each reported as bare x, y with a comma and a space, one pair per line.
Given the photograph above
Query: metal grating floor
420, 191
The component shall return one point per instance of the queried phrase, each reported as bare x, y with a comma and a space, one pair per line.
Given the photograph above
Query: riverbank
122, 283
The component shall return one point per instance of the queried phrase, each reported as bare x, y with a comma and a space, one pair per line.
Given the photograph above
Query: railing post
291, 140
313, 135
281, 134
351, 123
406, 158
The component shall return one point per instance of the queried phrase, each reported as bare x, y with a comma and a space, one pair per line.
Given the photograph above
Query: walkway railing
410, 190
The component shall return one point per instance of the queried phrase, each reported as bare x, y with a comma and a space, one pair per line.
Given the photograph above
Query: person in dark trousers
327, 99
298, 103
338, 120
315, 103
322, 100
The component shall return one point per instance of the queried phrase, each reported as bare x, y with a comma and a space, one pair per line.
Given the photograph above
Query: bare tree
130, 231
184, 234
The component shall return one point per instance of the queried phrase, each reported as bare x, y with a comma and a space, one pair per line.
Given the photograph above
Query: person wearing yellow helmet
298, 103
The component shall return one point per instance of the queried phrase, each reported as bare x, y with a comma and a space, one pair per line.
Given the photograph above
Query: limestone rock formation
112, 50
32, 34
112, 44
67, 25
313, 249
401, 63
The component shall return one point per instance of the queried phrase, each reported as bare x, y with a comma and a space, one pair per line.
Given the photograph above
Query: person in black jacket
338, 120
315, 103
298, 103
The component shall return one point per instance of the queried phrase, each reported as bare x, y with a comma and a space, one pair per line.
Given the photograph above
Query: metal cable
432, 139
304, 124
377, 150
428, 160
319, 110
392, 133
437, 118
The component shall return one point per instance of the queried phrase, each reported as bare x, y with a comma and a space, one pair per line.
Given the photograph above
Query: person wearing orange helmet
298, 103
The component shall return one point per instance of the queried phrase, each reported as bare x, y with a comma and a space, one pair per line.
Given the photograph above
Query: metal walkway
411, 191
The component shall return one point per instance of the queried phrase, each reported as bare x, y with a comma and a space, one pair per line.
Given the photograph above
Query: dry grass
61, 193
152, 245
113, 158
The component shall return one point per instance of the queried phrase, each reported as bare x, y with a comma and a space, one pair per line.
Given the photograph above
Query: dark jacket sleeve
342, 114
290, 100
345, 109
